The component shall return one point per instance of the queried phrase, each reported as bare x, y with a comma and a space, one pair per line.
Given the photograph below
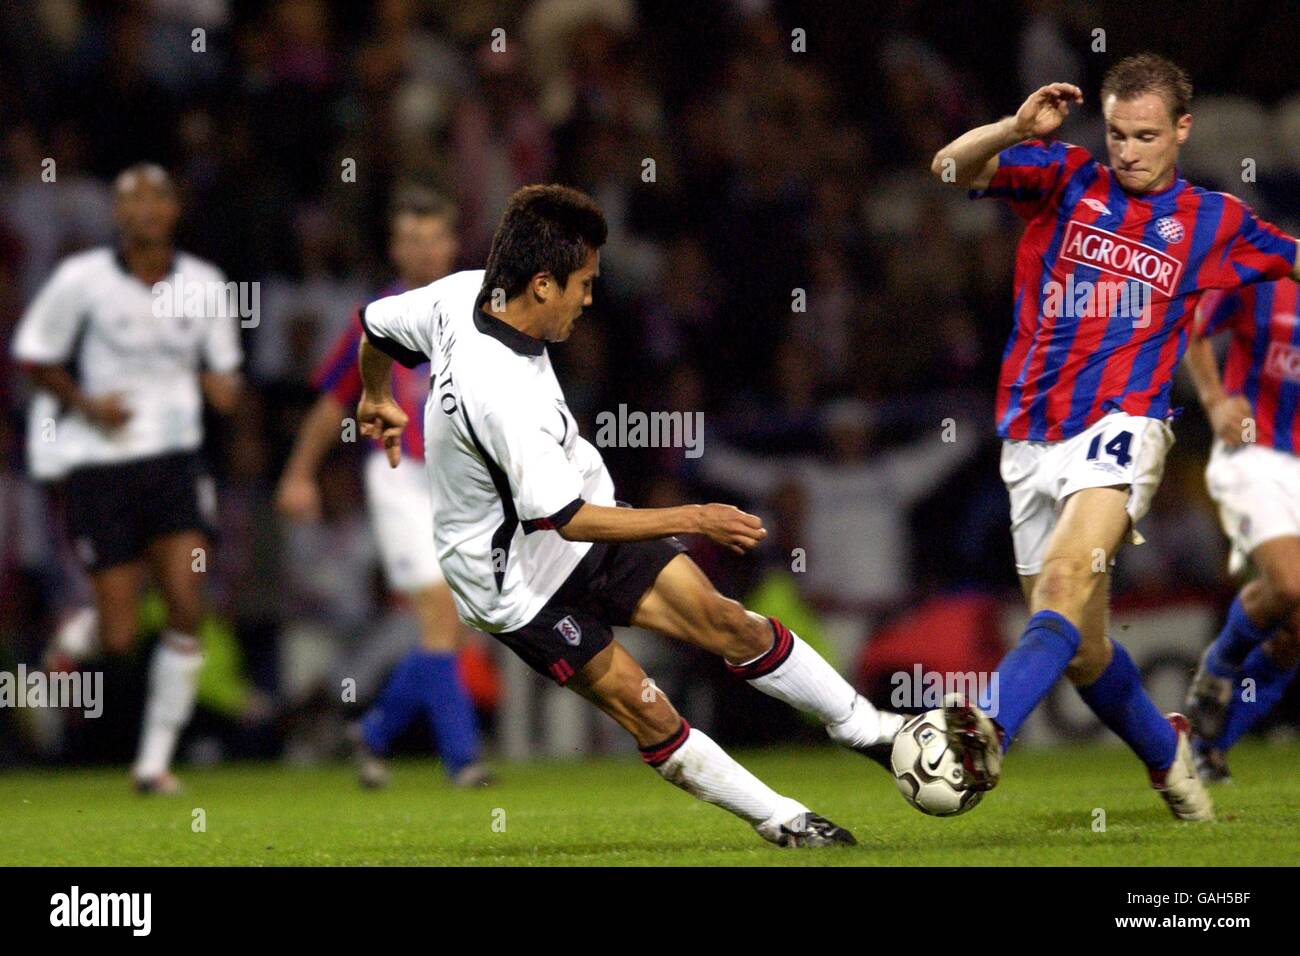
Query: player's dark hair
421, 201
1150, 73
545, 229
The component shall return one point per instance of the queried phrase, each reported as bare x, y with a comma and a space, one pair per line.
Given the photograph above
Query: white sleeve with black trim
402, 326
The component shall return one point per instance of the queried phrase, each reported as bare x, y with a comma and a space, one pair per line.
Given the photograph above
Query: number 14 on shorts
1117, 448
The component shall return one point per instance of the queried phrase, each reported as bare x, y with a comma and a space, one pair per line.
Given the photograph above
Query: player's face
146, 212
1143, 141
423, 248
574, 297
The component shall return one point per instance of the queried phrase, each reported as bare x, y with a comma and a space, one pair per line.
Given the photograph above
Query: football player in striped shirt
1112, 261
1254, 477
427, 680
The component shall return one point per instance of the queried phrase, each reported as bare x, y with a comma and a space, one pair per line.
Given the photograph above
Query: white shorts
1119, 449
1257, 489
402, 517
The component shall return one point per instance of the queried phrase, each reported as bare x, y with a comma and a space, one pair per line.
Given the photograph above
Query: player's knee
1088, 663
1284, 582
740, 633
1064, 584
117, 632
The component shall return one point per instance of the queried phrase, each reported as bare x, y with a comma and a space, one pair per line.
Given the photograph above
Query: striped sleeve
1254, 250
1217, 309
1031, 175
339, 374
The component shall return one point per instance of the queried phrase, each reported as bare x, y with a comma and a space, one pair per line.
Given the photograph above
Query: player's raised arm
972, 158
378, 415
725, 524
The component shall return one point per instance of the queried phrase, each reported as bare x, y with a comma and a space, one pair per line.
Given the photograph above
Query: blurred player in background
122, 376
528, 532
426, 681
1083, 393
1254, 477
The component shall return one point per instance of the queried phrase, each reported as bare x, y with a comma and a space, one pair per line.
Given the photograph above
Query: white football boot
1180, 785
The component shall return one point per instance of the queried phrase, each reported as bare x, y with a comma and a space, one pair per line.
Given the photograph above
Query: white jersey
121, 337
505, 461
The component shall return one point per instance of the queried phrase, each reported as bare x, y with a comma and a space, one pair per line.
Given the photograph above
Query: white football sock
806, 681
173, 684
704, 770
77, 636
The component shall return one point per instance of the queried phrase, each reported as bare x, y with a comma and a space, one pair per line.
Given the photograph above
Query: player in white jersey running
123, 345
530, 537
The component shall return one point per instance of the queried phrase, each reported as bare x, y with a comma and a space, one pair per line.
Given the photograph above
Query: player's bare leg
117, 592
1067, 635
176, 561
687, 758
684, 604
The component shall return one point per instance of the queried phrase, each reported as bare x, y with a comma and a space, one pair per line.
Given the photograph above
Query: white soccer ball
928, 772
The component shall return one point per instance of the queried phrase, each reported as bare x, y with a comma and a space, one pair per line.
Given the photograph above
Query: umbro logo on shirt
1096, 205
569, 630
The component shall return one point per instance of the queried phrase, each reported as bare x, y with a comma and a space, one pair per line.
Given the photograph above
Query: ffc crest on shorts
569, 630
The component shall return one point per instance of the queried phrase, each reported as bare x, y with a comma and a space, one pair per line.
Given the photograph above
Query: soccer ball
927, 771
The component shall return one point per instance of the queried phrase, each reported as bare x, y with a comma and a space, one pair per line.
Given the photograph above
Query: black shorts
602, 593
113, 511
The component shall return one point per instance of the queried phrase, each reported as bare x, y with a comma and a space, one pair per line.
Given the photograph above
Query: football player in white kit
531, 540
123, 345
426, 680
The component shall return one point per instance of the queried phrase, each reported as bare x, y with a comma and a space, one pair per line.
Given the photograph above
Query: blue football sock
1118, 699
1033, 666
1270, 684
450, 713
397, 705
1239, 636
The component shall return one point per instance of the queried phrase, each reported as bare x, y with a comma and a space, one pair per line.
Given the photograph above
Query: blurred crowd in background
780, 258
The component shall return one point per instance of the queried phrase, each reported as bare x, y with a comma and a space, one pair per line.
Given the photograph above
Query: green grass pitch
616, 812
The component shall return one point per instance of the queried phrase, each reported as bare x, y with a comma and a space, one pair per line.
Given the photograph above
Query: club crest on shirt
569, 630
1169, 229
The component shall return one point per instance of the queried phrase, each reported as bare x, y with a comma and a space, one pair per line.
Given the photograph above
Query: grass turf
615, 812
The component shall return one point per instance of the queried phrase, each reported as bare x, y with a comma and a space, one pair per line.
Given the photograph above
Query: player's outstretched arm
297, 496
1227, 413
972, 158
727, 525
378, 416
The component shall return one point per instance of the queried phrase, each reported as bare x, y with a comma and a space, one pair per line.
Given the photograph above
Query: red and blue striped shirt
1263, 361
339, 375
1106, 286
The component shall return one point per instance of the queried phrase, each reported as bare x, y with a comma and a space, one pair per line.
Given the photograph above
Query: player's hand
297, 497
383, 420
731, 527
1228, 416
1045, 110
106, 411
